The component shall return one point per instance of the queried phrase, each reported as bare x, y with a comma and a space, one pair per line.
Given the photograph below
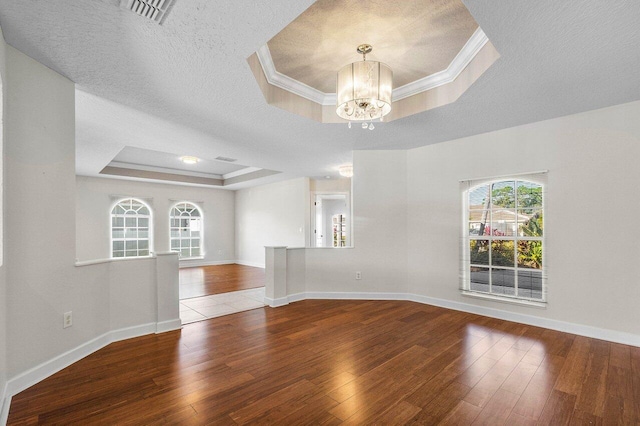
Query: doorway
331, 225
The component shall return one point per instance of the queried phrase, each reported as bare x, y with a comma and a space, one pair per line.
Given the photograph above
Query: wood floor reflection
207, 280
352, 362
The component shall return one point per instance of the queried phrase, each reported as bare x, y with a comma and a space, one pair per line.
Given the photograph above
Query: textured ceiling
416, 38
185, 87
146, 157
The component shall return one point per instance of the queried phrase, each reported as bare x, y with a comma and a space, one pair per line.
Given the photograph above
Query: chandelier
364, 90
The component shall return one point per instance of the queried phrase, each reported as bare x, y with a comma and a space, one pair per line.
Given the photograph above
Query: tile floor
205, 307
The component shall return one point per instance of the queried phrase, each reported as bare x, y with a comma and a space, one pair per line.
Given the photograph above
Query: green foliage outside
529, 252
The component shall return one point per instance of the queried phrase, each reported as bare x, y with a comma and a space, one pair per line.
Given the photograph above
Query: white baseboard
567, 327
196, 263
40, 372
5, 403
254, 264
164, 326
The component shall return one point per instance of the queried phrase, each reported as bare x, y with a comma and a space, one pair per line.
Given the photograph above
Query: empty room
319, 212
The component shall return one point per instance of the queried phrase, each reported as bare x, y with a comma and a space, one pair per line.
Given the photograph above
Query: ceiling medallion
364, 90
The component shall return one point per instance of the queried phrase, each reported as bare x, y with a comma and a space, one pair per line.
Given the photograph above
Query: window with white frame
504, 240
130, 234
186, 230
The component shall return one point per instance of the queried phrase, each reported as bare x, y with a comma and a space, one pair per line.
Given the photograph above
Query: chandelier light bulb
364, 89
346, 170
364, 125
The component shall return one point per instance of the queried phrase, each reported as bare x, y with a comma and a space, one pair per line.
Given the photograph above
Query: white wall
95, 196
407, 212
39, 160
379, 238
109, 301
590, 213
271, 215
3, 283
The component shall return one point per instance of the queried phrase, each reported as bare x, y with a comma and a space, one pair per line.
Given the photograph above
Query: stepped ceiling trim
459, 63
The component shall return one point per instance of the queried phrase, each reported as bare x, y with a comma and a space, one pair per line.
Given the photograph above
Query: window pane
175, 233
132, 245
186, 242
530, 223
479, 198
175, 244
143, 233
503, 223
478, 222
195, 251
130, 222
143, 222
118, 254
118, 245
503, 195
143, 253
195, 242
503, 281
529, 195
118, 210
195, 213
131, 233
143, 244
117, 222
502, 253
175, 223
117, 233
143, 211
131, 253
530, 284
479, 279
184, 253
530, 254
479, 252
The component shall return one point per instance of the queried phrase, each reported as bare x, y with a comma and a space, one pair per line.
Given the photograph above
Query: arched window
504, 241
186, 230
130, 234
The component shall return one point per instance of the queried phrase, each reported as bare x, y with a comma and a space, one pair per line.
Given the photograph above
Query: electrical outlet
358, 275
68, 320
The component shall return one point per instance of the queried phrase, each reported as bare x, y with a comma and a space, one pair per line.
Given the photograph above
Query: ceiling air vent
227, 159
154, 10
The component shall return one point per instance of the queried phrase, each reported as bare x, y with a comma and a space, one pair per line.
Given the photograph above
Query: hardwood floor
207, 280
345, 362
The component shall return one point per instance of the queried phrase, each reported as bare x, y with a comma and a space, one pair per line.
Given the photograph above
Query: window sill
510, 300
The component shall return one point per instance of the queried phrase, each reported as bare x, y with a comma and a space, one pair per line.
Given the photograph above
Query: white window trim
151, 251
202, 254
465, 285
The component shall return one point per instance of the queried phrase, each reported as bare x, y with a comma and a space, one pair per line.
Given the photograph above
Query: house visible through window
504, 239
186, 230
130, 219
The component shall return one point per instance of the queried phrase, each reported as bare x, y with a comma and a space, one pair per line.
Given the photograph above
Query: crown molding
289, 84
459, 63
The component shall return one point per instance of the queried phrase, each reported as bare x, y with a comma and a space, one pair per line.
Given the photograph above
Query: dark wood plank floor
351, 362
207, 280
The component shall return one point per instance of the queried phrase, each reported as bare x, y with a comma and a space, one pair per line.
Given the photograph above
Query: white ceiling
185, 87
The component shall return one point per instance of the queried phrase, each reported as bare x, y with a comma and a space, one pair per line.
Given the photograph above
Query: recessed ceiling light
189, 160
